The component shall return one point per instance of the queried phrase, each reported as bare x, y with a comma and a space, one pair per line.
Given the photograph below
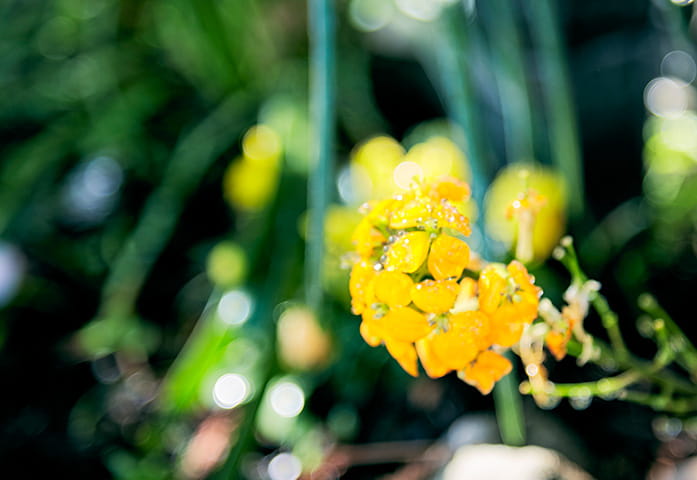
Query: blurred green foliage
134, 277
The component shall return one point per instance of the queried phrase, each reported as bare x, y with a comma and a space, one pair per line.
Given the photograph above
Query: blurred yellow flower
526, 206
302, 343
251, 179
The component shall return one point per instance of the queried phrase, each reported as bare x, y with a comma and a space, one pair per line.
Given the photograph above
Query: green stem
678, 406
562, 126
192, 157
608, 318
676, 340
509, 409
280, 282
453, 42
511, 79
321, 18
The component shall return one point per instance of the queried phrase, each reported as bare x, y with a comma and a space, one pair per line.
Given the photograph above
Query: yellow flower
435, 296
366, 238
450, 189
393, 288
556, 342
408, 252
510, 298
448, 257
456, 341
543, 218
487, 369
361, 278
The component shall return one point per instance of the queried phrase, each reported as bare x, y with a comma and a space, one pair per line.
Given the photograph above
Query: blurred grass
166, 90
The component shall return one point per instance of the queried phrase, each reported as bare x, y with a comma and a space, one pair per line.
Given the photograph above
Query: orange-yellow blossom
448, 257
487, 369
457, 340
510, 298
435, 296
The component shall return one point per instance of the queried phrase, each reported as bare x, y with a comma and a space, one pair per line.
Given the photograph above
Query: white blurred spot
91, 190
11, 272
370, 15
235, 307
680, 65
531, 370
343, 185
681, 133
424, 10
284, 466
287, 399
405, 172
665, 97
230, 390
682, 3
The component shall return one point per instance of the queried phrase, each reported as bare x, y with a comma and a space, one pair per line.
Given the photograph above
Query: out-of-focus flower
226, 265
381, 167
414, 288
302, 343
526, 207
251, 179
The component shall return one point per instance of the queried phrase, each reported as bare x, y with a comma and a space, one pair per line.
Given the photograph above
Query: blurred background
154, 157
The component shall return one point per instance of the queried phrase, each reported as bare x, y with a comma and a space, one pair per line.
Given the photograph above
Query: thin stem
678, 406
608, 318
453, 42
193, 155
321, 17
511, 79
561, 125
676, 340
509, 409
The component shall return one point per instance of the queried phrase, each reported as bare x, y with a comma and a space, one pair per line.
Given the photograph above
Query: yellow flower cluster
415, 287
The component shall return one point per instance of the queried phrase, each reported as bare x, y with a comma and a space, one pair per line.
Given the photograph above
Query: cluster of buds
423, 294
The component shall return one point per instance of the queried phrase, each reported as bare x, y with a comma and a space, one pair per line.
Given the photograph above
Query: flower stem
609, 318
321, 18
562, 126
511, 80
509, 409
453, 42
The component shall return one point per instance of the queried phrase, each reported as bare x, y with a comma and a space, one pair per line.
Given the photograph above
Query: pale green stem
561, 117
511, 79
321, 18
509, 409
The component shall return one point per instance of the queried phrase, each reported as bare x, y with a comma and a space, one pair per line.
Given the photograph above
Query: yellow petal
362, 275
491, 288
408, 252
450, 189
485, 371
556, 343
466, 336
371, 333
412, 214
393, 288
505, 331
405, 324
366, 238
405, 354
448, 257
435, 296
473, 326
524, 281
432, 364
